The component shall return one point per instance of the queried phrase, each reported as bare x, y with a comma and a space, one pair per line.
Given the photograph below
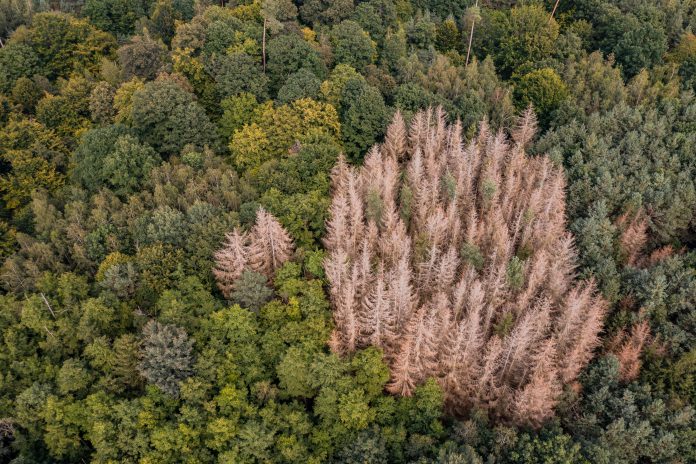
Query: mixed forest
380, 231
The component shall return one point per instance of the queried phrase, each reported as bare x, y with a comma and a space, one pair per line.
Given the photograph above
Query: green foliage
26, 93
519, 36
168, 117
251, 291
237, 112
352, 45
302, 84
166, 356
111, 156
632, 157
142, 57
543, 89
363, 117
287, 54
627, 425
239, 73
556, 449
117, 17
63, 44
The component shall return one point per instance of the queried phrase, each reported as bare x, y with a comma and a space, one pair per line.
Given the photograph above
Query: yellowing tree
274, 131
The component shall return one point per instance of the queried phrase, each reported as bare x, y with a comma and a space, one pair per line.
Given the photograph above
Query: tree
168, 117
239, 73
63, 44
27, 94
352, 45
16, 60
325, 11
617, 157
14, 13
117, 17
101, 103
251, 291
142, 57
504, 333
90, 153
543, 89
166, 356
448, 36
270, 245
230, 261
288, 54
128, 165
302, 84
614, 433
237, 112
363, 115
522, 35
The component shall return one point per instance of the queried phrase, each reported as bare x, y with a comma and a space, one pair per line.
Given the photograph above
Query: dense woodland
382, 231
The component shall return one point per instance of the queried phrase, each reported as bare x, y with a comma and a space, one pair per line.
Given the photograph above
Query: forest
348, 231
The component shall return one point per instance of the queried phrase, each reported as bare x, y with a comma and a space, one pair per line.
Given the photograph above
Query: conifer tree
230, 261
270, 245
454, 259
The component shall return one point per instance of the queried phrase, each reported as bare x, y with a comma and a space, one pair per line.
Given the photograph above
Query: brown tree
270, 244
230, 261
264, 250
453, 258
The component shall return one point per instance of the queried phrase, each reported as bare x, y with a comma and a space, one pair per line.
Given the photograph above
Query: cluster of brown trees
455, 260
263, 250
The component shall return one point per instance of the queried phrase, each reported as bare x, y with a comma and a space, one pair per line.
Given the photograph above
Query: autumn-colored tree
454, 259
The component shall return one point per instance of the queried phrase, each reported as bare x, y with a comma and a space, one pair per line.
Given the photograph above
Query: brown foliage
633, 237
230, 261
270, 246
629, 348
264, 250
455, 260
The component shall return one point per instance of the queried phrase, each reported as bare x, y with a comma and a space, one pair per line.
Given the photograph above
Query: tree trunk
263, 45
553, 12
471, 38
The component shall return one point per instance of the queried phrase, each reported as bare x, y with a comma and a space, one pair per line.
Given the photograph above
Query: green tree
287, 54
302, 84
117, 17
142, 57
167, 356
63, 44
127, 165
448, 35
251, 291
168, 117
352, 45
544, 90
521, 35
239, 73
237, 112
363, 117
